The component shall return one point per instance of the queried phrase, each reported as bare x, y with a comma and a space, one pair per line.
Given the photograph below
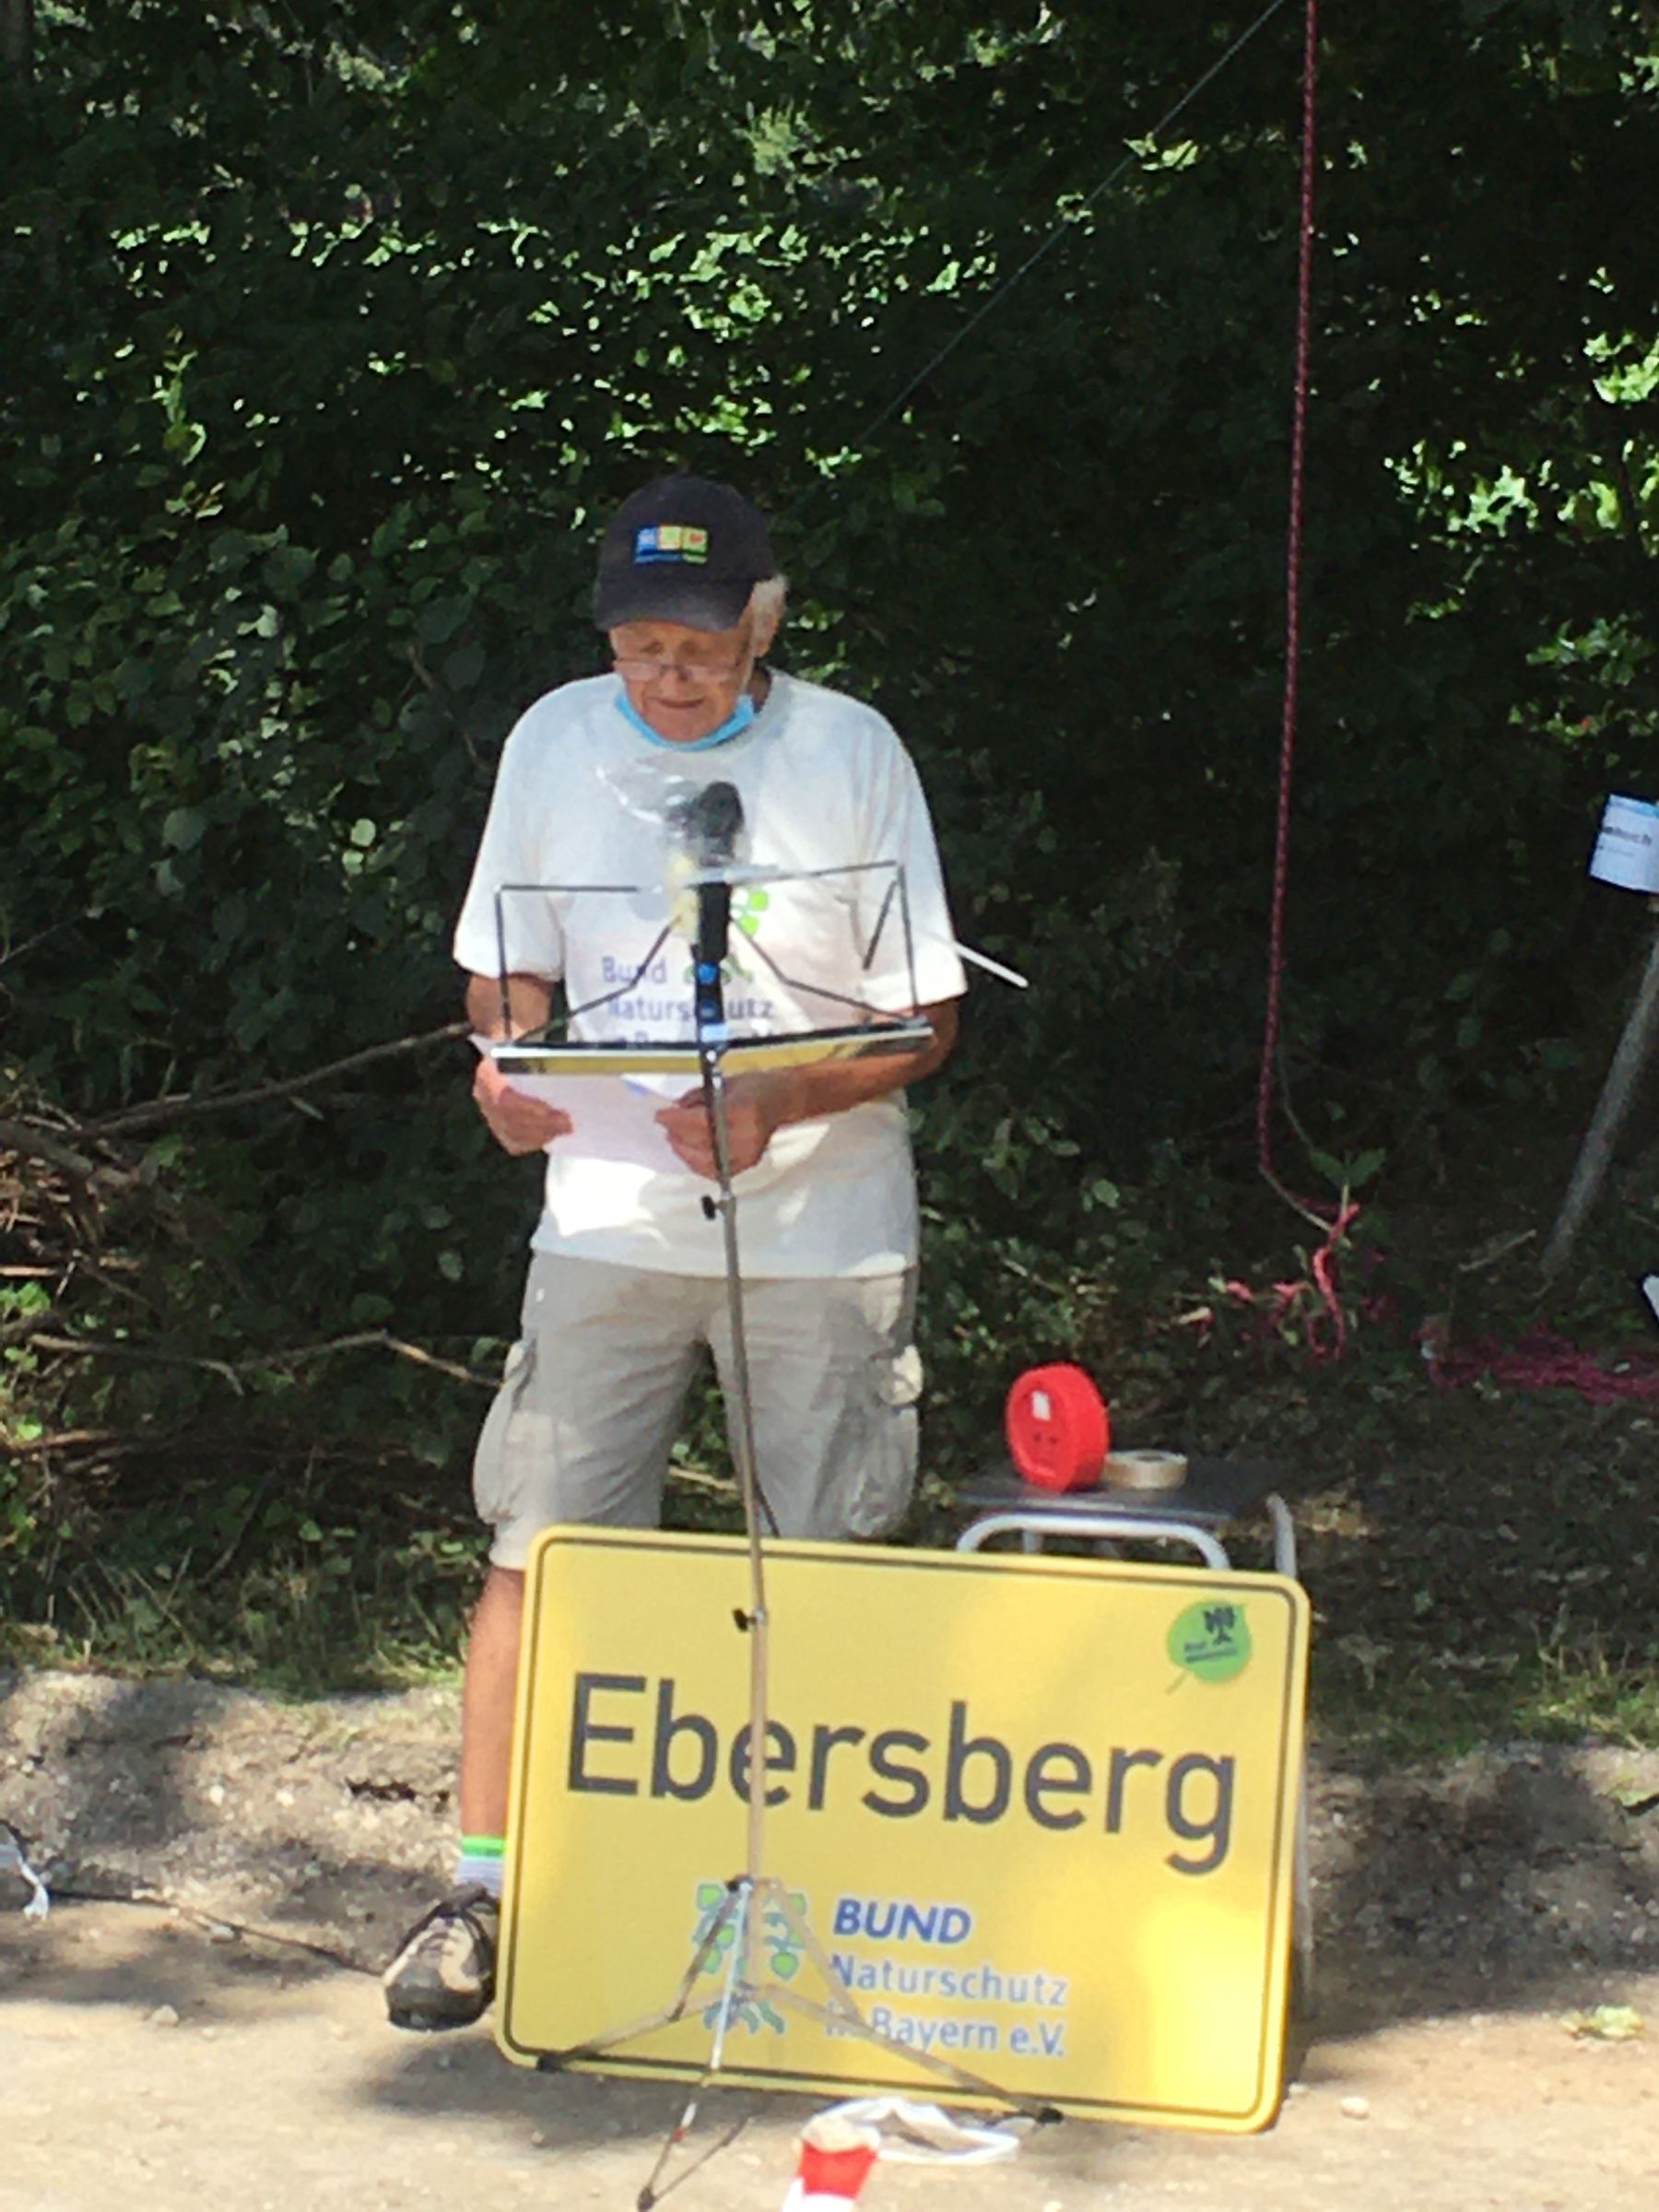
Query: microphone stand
709, 951
753, 1898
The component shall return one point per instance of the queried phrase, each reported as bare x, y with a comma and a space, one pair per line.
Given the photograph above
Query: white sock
481, 1864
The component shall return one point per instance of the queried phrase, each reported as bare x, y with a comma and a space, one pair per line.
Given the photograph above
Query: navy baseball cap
684, 549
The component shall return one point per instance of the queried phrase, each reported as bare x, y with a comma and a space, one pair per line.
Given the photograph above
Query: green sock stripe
484, 1847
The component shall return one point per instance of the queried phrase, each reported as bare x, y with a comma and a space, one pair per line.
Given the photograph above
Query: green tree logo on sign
1211, 1640
714, 1904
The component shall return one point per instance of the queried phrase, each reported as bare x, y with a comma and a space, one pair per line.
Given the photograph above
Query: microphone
708, 823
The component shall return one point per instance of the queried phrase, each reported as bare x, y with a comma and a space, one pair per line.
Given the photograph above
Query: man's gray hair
766, 601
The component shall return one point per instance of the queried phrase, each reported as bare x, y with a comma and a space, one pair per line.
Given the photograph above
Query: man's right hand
518, 1123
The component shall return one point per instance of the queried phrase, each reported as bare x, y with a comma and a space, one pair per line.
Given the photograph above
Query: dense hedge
333, 329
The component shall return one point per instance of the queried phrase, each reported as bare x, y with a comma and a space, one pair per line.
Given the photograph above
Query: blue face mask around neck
736, 723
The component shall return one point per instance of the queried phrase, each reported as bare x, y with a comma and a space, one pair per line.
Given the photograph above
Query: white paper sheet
613, 1117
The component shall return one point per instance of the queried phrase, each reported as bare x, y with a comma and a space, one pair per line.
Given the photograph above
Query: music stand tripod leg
611, 2038
842, 2011
729, 1995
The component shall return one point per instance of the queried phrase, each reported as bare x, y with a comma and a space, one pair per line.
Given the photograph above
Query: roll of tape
1144, 1471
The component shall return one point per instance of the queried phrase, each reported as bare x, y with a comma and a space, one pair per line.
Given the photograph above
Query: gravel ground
197, 2015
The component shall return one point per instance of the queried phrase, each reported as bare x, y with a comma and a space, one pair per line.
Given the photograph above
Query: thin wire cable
1293, 583
1063, 229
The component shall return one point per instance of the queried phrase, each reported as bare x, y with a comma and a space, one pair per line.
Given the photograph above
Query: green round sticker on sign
1211, 1640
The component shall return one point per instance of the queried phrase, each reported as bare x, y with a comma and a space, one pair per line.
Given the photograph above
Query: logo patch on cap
670, 541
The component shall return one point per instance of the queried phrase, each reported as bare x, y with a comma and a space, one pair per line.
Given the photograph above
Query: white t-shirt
582, 799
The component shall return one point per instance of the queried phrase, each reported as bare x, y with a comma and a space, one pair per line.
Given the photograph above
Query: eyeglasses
650, 667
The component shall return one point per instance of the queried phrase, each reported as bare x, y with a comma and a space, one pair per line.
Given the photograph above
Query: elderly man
627, 1274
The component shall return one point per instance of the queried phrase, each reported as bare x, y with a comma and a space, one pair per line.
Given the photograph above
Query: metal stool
1216, 1492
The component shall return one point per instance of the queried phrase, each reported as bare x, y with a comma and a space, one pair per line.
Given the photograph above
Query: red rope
1293, 579
1540, 1361
1328, 1336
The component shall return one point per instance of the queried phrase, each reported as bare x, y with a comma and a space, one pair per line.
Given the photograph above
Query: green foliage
334, 330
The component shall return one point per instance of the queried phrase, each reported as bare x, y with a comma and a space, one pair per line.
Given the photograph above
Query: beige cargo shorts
591, 1394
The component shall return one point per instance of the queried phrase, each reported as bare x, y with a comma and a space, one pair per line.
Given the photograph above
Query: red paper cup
835, 2172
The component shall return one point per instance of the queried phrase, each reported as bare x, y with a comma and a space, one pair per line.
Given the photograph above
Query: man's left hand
755, 1106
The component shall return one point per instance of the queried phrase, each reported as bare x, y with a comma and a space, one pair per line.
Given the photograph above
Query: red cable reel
1058, 1427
